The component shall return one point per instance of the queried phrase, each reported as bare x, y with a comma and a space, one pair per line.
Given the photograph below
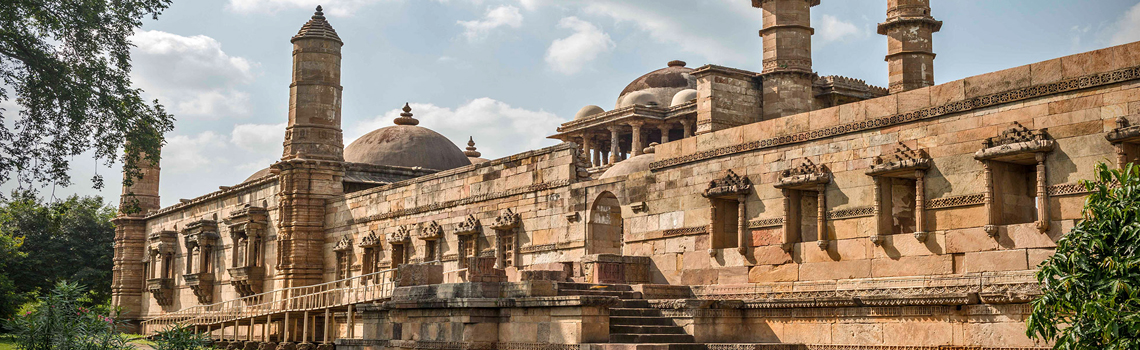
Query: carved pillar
791, 218
688, 127
988, 200
712, 228
597, 154
821, 234
882, 226
664, 128
615, 152
635, 141
920, 205
587, 148
1121, 155
1042, 195
741, 224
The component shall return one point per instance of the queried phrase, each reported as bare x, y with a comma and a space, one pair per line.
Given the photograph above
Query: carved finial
406, 117
471, 152
650, 149
319, 14
1121, 122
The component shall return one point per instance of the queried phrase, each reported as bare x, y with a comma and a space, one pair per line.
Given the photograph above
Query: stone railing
349, 291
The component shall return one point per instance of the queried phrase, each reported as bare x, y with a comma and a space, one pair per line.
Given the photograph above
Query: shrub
60, 322
177, 337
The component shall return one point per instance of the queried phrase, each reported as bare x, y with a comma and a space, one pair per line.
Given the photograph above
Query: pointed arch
604, 225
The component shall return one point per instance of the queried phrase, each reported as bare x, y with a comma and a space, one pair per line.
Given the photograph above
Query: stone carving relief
247, 231
430, 231
506, 220
200, 239
401, 235
161, 247
469, 226
728, 184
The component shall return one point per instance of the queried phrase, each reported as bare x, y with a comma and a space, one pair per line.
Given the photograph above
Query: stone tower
787, 75
129, 272
312, 166
910, 48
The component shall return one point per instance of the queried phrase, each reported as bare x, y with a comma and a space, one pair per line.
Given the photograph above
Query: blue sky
509, 71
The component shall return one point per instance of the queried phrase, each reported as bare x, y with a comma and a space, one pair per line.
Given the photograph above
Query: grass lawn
6, 343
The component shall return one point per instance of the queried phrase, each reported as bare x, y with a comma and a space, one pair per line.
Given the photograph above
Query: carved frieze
807, 176
506, 220
728, 184
469, 226
401, 235
430, 231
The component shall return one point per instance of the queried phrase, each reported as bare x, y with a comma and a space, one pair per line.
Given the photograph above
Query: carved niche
200, 238
467, 233
506, 238
1002, 156
247, 231
343, 251
727, 195
1126, 138
161, 248
902, 163
371, 243
795, 183
431, 233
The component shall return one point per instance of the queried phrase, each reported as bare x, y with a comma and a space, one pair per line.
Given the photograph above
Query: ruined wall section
215, 206
534, 186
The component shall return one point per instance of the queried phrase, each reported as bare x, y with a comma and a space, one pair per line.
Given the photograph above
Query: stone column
988, 200
712, 228
1042, 195
688, 126
821, 221
635, 146
597, 156
664, 128
791, 218
615, 152
920, 205
586, 148
1121, 155
910, 50
742, 224
787, 74
881, 213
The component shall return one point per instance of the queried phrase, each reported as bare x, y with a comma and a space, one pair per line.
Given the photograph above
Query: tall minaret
315, 94
311, 169
787, 75
128, 274
910, 47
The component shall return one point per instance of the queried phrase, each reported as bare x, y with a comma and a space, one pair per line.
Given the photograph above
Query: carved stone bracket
430, 231
506, 221
162, 289
402, 235
202, 284
1017, 145
201, 233
728, 184
807, 176
469, 226
573, 217
905, 163
247, 280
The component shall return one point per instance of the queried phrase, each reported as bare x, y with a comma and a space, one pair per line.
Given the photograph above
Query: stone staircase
632, 321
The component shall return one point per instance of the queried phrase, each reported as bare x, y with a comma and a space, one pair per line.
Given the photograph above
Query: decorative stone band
762, 223
851, 213
445, 345
552, 247
956, 201
857, 347
673, 232
1072, 84
1068, 189
465, 201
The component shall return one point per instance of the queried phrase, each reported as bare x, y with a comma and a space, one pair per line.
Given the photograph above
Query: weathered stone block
774, 273
1001, 260
419, 274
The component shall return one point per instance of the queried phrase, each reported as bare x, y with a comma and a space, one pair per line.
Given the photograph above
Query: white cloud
499, 129
568, 55
1127, 28
330, 7
718, 37
505, 15
259, 137
832, 28
193, 153
530, 5
191, 75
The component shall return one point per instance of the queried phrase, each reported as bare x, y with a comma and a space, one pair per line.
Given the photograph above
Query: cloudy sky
509, 71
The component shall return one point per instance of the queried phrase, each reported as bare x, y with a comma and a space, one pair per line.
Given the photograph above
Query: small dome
632, 165
662, 83
406, 145
588, 111
259, 174
640, 98
684, 97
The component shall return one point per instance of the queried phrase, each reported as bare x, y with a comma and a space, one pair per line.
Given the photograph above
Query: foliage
1090, 285
177, 337
69, 240
10, 298
60, 322
67, 66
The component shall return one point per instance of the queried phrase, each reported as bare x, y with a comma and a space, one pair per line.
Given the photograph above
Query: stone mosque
711, 208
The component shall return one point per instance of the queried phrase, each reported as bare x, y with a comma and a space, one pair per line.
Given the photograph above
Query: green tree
67, 65
1090, 285
10, 298
68, 240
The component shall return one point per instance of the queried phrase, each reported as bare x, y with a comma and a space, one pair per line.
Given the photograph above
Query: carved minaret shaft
910, 48
787, 74
312, 168
315, 94
129, 271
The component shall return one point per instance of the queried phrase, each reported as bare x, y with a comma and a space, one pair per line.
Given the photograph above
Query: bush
1091, 286
60, 322
177, 337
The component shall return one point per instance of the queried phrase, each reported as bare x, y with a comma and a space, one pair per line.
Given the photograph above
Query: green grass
6, 343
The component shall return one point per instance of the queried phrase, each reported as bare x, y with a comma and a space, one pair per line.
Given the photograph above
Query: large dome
662, 84
406, 145
632, 165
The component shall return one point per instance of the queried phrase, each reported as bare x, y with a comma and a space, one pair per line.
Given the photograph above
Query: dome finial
471, 152
676, 63
320, 14
406, 117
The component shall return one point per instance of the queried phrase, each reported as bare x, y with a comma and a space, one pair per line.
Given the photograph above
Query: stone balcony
202, 284
162, 289
247, 280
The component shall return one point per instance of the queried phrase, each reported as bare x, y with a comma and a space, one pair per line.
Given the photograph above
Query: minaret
315, 94
787, 74
910, 48
311, 169
129, 274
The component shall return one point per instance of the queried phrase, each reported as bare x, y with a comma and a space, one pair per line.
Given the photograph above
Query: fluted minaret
315, 94
128, 272
787, 74
910, 47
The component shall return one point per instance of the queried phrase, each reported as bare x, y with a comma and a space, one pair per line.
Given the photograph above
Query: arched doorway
604, 233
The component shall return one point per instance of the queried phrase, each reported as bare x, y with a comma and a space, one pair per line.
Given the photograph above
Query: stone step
592, 286
651, 338
634, 303
608, 293
655, 329
635, 312
640, 321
